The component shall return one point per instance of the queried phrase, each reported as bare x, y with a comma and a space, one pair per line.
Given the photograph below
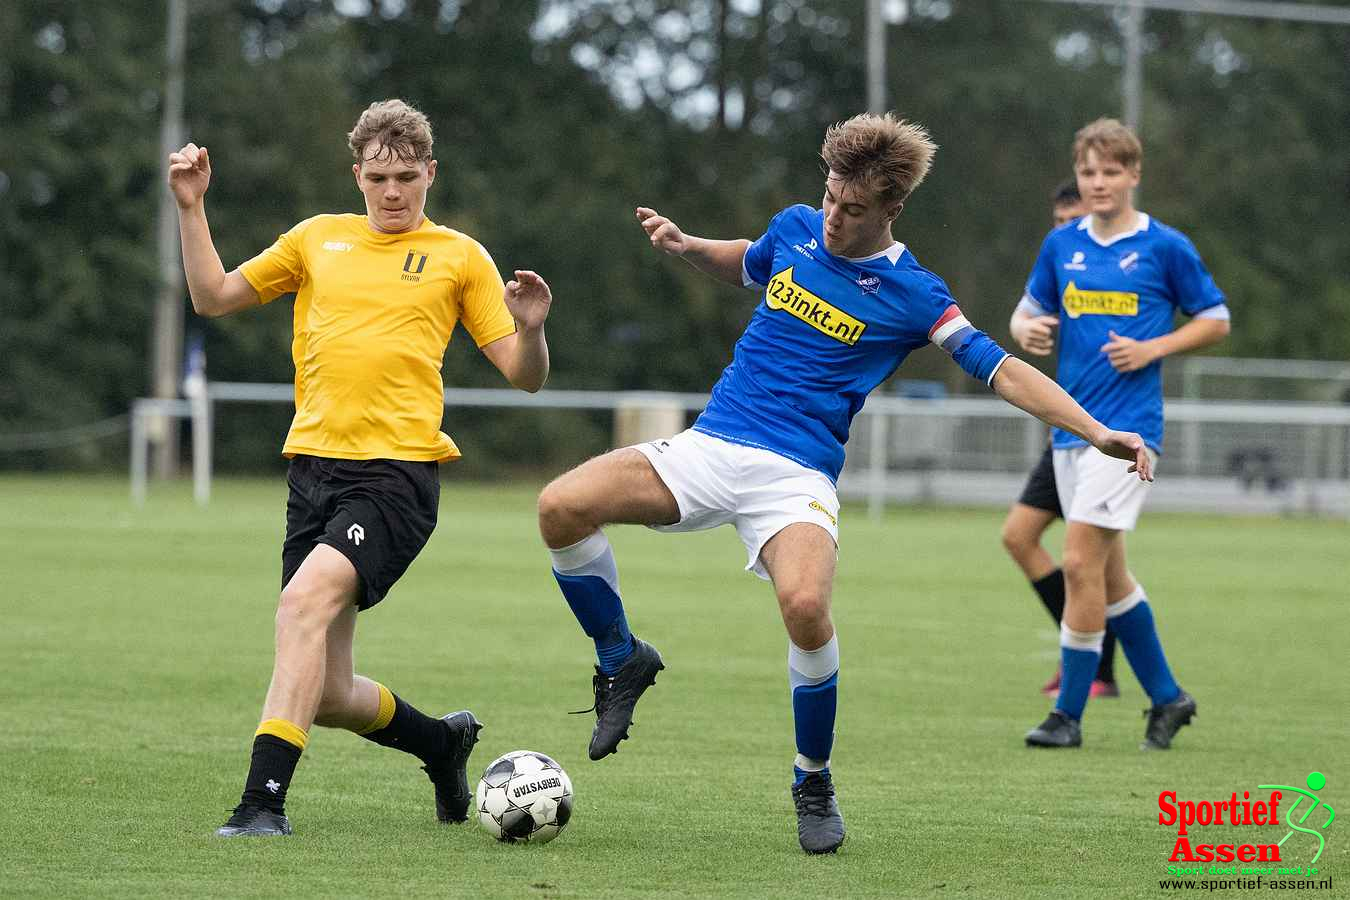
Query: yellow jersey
374, 313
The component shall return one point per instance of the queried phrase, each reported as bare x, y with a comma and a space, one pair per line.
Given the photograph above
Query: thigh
1028, 522
774, 493
1088, 547
800, 561
384, 512
620, 487
327, 577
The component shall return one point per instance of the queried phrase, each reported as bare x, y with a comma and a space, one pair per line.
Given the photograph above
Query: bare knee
562, 517
803, 608
1017, 541
1082, 568
306, 610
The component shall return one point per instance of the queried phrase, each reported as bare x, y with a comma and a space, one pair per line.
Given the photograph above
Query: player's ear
893, 212
356, 170
431, 172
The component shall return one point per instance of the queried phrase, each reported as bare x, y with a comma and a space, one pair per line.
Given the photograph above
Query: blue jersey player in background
842, 304
1115, 280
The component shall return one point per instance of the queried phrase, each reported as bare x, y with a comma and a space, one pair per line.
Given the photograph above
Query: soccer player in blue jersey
1115, 279
842, 304
1038, 506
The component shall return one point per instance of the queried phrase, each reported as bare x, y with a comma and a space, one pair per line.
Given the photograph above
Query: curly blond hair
399, 129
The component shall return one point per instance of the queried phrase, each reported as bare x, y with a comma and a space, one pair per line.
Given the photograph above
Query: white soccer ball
524, 796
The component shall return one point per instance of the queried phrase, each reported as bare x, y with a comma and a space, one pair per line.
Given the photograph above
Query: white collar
1140, 224
892, 253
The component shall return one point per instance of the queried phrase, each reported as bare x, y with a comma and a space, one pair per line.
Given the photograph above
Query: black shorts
378, 513
1040, 490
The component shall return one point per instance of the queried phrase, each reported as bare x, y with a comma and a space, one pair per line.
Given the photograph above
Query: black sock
1051, 591
270, 774
412, 732
1106, 669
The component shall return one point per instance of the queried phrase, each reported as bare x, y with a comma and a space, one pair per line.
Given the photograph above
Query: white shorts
716, 482
1098, 489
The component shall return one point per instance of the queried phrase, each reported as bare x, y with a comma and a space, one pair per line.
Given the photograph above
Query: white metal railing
1252, 457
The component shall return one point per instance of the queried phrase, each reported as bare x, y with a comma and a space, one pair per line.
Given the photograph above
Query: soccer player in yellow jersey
377, 297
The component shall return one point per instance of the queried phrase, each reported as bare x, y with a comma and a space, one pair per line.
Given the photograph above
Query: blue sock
1132, 621
590, 581
813, 676
1079, 654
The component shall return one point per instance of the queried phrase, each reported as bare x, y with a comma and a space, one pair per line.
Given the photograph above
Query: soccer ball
524, 796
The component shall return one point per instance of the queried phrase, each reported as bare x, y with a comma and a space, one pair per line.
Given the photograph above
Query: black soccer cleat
248, 820
617, 694
820, 827
1058, 730
448, 773
1165, 721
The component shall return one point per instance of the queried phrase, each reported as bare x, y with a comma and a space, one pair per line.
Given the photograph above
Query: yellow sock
386, 713
288, 731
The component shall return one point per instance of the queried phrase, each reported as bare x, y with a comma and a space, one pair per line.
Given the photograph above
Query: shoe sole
828, 850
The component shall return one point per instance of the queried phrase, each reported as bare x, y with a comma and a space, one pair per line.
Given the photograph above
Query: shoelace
814, 800
601, 684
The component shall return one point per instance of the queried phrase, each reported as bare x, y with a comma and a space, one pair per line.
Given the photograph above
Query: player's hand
528, 299
1127, 354
189, 175
665, 234
1035, 334
1128, 446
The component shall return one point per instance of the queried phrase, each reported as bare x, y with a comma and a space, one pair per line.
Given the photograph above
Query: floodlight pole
876, 58
167, 341
1131, 86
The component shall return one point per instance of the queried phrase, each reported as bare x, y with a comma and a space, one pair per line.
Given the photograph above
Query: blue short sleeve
757, 265
1193, 288
1042, 287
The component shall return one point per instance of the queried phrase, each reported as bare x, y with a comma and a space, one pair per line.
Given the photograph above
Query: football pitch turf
136, 648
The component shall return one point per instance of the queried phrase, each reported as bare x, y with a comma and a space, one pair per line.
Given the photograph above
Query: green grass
136, 647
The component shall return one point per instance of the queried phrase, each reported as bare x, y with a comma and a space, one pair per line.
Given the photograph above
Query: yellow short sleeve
280, 269
481, 307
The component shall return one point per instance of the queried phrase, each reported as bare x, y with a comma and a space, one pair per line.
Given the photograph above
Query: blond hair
399, 129
1111, 139
882, 155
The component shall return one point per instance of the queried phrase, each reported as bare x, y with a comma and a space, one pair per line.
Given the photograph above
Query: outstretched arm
523, 357
214, 293
1024, 387
720, 259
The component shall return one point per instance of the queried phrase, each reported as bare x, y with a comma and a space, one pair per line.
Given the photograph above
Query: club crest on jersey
413, 266
785, 294
1076, 264
1129, 262
1078, 302
870, 284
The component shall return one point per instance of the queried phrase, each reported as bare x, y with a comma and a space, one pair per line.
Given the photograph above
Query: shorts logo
787, 295
356, 534
410, 273
815, 504
1099, 303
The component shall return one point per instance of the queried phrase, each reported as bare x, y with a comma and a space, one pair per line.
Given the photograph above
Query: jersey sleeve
1042, 290
978, 355
758, 259
280, 269
481, 307
1193, 288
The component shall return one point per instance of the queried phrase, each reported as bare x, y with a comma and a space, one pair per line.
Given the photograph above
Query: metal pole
876, 58
1131, 86
168, 336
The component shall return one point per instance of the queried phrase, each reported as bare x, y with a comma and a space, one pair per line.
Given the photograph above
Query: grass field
136, 646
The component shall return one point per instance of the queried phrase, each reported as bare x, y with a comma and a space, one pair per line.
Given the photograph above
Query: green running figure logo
1316, 781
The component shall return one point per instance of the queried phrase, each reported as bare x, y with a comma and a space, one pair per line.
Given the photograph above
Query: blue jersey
828, 331
1131, 284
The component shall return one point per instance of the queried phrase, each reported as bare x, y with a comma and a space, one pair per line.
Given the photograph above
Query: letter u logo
421, 263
